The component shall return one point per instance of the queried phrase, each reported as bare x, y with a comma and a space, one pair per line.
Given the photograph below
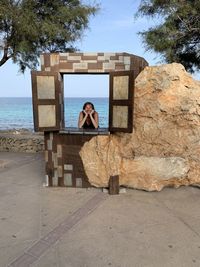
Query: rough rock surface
164, 148
21, 141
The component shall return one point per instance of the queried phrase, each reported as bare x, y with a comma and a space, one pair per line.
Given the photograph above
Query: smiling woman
95, 90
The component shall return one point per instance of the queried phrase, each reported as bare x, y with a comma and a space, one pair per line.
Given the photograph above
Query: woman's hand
82, 118
92, 111
94, 119
85, 112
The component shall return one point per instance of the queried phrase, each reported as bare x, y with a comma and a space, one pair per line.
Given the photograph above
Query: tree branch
5, 56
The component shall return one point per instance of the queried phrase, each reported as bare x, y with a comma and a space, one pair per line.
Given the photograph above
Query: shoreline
20, 131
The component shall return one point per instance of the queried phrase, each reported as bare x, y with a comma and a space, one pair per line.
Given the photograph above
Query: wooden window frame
58, 101
123, 102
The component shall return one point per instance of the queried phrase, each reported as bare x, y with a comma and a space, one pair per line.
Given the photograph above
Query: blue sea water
17, 112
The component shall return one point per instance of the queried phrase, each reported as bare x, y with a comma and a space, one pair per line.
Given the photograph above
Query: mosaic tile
102, 58
120, 116
68, 167
51, 136
59, 151
109, 65
42, 59
55, 159
47, 115
127, 60
45, 87
90, 54
60, 171
79, 182
82, 65
55, 181
46, 154
68, 179
74, 57
127, 67
56, 173
54, 59
49, 144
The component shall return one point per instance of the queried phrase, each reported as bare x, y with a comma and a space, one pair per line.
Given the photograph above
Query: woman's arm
82, 119
95, 119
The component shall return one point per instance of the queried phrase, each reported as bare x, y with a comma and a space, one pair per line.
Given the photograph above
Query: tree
177, 37
31, 27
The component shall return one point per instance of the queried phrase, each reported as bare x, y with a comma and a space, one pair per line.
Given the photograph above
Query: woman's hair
88, 103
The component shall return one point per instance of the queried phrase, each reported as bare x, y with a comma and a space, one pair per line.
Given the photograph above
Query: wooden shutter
121, 101
48, 100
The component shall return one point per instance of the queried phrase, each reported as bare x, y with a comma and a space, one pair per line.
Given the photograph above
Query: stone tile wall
63, 163
91, 62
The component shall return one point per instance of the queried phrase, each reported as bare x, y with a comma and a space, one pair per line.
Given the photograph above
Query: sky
113, 29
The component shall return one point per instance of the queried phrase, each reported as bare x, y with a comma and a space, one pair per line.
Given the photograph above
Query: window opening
80, 88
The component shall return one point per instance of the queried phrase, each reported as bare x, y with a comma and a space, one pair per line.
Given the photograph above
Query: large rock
164, 148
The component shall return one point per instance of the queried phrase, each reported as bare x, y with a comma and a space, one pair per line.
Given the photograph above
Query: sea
17, 112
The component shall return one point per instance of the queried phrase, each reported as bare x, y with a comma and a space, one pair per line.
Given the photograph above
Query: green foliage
177, 37
31, 27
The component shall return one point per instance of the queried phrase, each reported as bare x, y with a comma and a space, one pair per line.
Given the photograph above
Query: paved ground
58, 227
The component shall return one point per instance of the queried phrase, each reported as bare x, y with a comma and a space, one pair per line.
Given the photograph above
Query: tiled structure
62, 145
92, 62
63, 163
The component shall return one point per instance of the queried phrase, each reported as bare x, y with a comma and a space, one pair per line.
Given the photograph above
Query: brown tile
89, 57
65, 71
108, 70
114, 57
46, 60
66, 65
63, 58
55, 68
93, 66
47, 69
74, 61
81, 70
60, 161
119, 66
75, 54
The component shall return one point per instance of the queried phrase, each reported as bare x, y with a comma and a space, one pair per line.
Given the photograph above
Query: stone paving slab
70, 227
130, 230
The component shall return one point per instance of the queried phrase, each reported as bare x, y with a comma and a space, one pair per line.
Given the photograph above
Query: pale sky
113, 29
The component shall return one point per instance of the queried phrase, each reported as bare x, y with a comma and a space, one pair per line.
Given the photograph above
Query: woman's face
88, 108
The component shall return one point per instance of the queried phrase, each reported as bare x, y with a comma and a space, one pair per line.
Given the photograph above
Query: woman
88, 117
